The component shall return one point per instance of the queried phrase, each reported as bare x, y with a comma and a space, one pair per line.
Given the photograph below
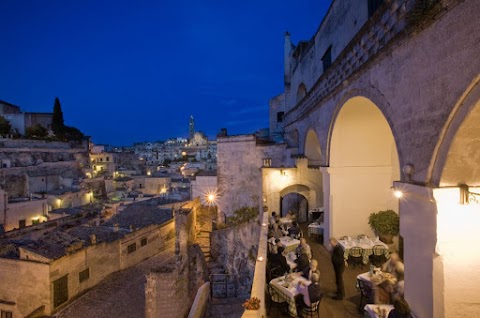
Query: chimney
93, 239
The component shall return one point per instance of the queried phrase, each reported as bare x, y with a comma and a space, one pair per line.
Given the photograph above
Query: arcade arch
363, 165
312, 148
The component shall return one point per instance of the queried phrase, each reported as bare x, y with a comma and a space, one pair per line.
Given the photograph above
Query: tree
58, 125
5, 126
36, 131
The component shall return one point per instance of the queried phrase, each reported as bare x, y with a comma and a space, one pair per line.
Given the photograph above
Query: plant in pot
385, 224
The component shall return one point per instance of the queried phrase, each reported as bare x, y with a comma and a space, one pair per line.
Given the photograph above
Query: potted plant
385, 224
252, 303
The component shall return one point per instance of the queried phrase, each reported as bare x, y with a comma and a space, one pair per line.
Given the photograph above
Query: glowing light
211, 197
149, 173
398, 193
264, 224
36, 218
184, 153
260, 259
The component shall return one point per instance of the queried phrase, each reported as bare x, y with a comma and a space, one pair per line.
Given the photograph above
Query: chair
366, 294
378, 256
355, 256
361, 236
275, 272
275, 298
312, 310
344, 238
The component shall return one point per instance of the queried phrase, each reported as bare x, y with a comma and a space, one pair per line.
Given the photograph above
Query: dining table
289, 243
380, 283
286, 288
315, 229
366, 244
377, 311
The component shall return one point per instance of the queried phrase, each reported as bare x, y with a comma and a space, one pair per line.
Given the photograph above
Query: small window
373, 5
108, 159
101, 159
280, 117
6, 314
35, 221
84, 275
22, 223
327, 59
143, 242
132, 248
267, 162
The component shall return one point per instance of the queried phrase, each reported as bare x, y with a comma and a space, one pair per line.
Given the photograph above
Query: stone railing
388, 22
200, 303
259, 278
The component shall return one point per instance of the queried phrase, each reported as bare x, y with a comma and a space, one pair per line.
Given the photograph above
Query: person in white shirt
303, 243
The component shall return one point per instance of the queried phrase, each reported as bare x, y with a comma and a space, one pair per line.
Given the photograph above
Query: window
132, 248
373, 5
327, 58
84, 275
6, 314
267, 162
108, 159
22, 223
35, 221
101, 159
280, 116
143, 242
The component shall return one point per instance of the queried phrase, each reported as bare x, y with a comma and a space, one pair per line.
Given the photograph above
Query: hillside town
361, 199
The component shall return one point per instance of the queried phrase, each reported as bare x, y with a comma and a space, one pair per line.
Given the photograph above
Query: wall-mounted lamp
398, 194
282, 171
467, 197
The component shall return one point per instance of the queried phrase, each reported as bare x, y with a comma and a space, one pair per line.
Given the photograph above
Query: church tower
191, 127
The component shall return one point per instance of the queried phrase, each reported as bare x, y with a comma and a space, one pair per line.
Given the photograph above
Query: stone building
39, 276
20, 121
383, 98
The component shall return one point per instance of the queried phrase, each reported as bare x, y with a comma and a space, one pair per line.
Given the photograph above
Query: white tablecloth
367, 246
288, 290
315, 228
290, 244
374, 311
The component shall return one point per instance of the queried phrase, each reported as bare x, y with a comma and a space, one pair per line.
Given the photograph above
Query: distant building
20, 120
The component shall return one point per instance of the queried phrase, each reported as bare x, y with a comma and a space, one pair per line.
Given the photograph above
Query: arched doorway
296, 198
363, 165
312, 148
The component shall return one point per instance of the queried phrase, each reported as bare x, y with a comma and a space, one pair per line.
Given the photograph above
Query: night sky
130, 71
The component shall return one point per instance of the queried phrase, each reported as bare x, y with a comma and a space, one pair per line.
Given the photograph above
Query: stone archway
363, 163
312, 149
455, 266
296, 197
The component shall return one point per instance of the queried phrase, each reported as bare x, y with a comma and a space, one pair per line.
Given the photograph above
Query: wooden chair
355, 256
275, 298
311, 311
366, 294
378, 256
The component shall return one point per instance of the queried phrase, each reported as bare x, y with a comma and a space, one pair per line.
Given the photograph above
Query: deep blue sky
128, 71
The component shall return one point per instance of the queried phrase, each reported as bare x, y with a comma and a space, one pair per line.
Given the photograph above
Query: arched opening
363, 165
458, 215
312, 149
301, 92
295, 198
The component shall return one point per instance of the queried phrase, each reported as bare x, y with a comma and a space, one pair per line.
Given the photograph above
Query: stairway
204, 231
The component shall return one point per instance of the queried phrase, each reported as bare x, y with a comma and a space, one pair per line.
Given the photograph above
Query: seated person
273, 219
276, 232
302, 260
401, 309
307, 272
291, 215
307, 295
273, 247
294, 231
303, 243
279, 260
394, 266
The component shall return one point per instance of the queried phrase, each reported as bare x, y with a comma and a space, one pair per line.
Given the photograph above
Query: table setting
286, 287
365, 243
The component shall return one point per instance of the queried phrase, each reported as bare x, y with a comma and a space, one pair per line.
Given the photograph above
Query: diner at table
287, 288
290, 244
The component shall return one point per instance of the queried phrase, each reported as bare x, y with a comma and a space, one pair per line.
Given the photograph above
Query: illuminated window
84, 275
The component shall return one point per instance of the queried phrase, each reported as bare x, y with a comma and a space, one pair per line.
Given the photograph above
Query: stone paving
120, 295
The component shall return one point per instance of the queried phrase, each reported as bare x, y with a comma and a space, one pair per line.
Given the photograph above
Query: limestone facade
388, 99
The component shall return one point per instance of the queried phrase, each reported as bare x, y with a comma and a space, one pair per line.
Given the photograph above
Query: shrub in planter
385, 224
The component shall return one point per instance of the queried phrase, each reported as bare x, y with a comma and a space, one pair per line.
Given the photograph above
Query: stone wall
236, 250
239, 164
